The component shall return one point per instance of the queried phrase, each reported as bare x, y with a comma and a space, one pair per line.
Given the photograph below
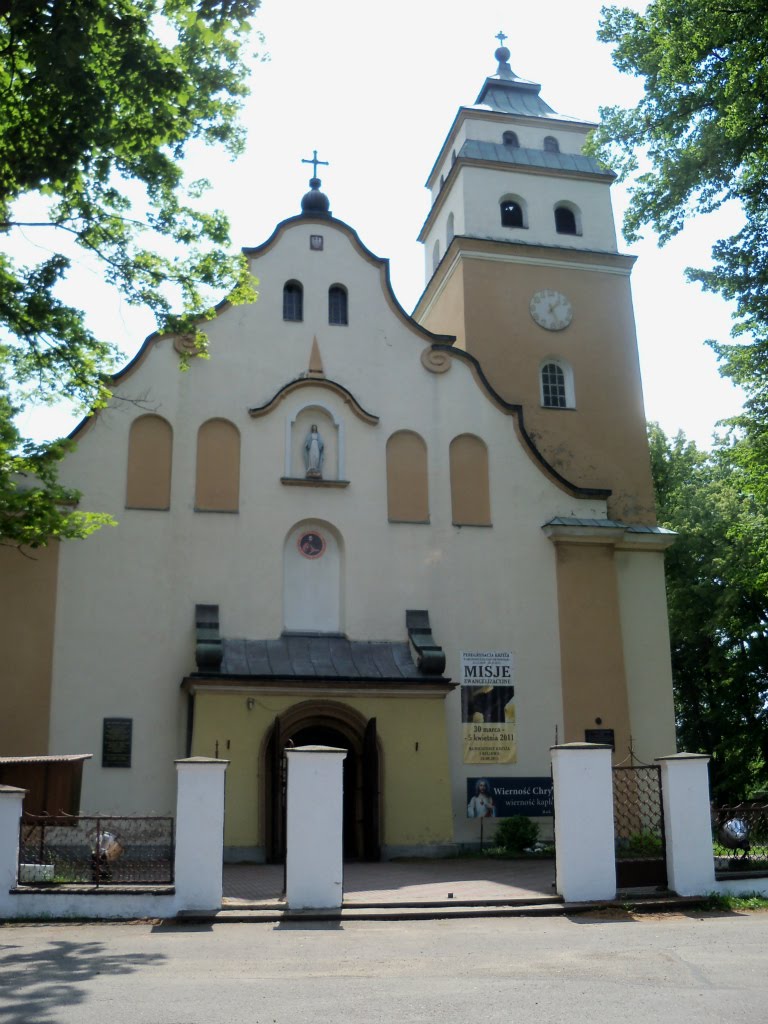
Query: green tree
702, 124
717, 587
100, 102
702, 128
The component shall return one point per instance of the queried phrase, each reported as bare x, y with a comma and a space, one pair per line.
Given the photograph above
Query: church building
427, 539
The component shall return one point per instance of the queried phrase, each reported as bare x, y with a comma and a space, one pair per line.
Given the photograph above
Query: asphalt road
676, 969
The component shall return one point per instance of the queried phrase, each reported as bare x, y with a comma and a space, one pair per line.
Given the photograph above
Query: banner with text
503, 798
488, 707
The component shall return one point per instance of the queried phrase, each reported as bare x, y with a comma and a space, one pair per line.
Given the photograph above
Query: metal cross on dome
314, 161
501, 37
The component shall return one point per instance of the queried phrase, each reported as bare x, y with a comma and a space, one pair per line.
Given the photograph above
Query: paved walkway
405, 882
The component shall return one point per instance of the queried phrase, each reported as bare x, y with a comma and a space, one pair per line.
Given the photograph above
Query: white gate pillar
583, 797
199, 833
314, 828
11, 802
687, 823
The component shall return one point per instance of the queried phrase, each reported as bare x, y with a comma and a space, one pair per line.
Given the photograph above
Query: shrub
516, 834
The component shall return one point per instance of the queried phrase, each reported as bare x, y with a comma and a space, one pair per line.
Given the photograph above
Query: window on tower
510, 139
551, 145
337, 305
449, 230
293, 301
512, 215
565, 221
556, 380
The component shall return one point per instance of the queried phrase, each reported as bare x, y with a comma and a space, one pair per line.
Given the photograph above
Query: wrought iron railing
740, 837
96, 850
638, 814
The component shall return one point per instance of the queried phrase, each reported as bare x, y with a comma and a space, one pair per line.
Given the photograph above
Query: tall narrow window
337, 305
565, 221
449, 230
511, 214
551, 145
217, 485
553, 392
407, 486
510, 139
150, 445
293, 301
470, 487
436, 256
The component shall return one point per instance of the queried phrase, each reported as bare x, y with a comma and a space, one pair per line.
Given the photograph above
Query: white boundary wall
583, 795
198, 866
315, 828
688, 828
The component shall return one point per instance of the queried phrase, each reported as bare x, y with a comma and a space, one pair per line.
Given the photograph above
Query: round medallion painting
311, 544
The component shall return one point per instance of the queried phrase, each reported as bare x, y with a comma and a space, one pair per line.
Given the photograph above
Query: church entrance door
316, 724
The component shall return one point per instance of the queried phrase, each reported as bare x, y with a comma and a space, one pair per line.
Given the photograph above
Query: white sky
375, 88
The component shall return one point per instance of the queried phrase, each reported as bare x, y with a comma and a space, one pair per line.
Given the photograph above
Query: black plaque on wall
116, 743
600, 736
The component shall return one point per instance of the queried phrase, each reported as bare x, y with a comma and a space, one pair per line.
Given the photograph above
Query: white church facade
429, 540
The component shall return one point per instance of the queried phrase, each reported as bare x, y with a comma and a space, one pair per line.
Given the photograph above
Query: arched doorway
334, 725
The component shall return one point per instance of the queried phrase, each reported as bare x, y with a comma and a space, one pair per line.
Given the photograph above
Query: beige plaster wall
602, 442
591, 644
27, 615
645, 630
124, 631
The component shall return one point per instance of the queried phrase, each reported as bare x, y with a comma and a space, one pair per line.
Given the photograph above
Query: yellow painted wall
415, 783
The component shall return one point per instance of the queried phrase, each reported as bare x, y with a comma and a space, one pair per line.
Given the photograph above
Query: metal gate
638, 817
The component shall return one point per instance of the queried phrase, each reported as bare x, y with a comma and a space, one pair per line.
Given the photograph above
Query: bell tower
522, 266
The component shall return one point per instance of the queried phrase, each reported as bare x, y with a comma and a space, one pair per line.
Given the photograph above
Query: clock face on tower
551, 310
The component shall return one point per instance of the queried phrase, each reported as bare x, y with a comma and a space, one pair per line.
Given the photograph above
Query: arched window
217, 483
337, 305
449, 231
407, 486
565, 221
557, 390
470, 488
435, 255
511, 214
551, 145
510, 139
150, 447
442, 180
293, 301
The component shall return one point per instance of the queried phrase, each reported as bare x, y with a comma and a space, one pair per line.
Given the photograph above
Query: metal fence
98, 851
638, 817
740, 837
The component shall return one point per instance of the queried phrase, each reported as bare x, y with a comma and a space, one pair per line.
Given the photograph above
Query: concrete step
275, 913
392, 912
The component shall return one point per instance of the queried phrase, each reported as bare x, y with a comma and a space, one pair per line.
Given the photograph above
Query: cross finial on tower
501, 37
314, 161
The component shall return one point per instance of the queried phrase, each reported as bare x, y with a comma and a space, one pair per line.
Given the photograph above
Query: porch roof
320, 657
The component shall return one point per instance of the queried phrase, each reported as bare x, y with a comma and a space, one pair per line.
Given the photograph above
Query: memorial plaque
116, 743
600, 736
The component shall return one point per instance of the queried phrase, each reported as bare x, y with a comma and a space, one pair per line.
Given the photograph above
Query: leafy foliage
703, 125
101, 99
702, 122
516, 834
717, 590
